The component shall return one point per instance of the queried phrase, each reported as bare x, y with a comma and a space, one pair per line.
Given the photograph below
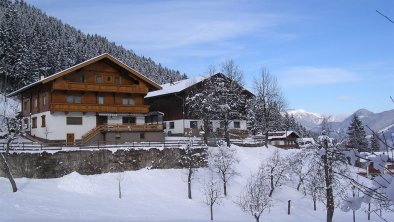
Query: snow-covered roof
280, 134
175, 87
83, 64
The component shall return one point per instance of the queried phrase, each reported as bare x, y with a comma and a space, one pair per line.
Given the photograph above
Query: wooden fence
33, 146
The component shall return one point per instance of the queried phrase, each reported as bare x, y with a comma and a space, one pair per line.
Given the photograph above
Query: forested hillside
33, 44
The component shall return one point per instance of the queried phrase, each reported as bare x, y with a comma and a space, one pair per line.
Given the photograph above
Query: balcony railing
121, 128
65, 107
77, 86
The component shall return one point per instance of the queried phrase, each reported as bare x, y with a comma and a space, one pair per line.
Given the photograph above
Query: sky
332, 57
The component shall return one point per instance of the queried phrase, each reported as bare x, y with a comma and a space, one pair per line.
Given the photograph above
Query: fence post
41, 146
288, 207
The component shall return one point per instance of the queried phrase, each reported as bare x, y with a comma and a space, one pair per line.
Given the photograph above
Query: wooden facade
102, 85
176, 112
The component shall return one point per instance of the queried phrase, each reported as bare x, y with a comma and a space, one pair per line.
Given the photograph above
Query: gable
105, 58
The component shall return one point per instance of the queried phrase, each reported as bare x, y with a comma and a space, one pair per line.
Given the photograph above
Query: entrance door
70, 138
101, 120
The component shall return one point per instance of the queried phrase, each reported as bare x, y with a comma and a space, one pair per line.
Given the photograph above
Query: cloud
163, 25
306, 75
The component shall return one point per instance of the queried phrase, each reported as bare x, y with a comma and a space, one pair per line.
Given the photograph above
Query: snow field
152, 195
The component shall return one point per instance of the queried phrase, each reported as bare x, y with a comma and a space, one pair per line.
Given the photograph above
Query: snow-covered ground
151, 195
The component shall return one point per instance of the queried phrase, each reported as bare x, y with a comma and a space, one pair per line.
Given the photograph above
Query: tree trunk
211, 212
257, 218
314, 205
266, 139
206, 130
189, 183
224, 184
226, 133
272, 186
8, 174
299, 185
120, 190
369, 211
328, 181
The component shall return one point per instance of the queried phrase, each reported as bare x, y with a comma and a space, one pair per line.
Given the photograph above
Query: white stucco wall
57, 129
140, 120
114, 120
178, 125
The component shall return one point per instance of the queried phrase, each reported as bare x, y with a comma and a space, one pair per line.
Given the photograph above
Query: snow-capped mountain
379, 122
312, 120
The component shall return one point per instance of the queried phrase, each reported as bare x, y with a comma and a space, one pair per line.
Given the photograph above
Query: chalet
283, 138
171, 100
100, 99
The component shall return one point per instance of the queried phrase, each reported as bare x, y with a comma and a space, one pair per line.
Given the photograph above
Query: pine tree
356, 135
375, 144
33, 44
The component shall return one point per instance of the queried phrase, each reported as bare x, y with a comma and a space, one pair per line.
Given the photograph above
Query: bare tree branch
385, 16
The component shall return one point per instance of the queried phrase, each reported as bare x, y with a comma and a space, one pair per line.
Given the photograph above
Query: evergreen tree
356, 135
375, 144
33, 44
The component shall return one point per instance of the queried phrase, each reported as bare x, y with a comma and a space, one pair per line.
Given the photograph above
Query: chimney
42, 77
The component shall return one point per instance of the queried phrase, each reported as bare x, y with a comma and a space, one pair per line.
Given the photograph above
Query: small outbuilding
286, 139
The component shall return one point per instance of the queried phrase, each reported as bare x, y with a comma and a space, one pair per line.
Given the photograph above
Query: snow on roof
280, 134
175, 87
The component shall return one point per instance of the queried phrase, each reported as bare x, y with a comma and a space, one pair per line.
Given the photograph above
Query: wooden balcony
65, 107
91, 87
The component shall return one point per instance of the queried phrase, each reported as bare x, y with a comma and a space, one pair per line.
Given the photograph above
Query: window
128, 101
44, 100
164, 125
172, 125
73, 99
128, 120
77, 99
26, 105
43, 123
142, 135
109, 79
237, 125
117, 80
82, 78
99, 79
70, 99
74, 120
35, 102
34, 122
193, 124
26, 123
100, 100
221, 124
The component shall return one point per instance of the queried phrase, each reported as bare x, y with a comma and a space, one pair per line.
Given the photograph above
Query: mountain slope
378, 122
34, 44
311, 121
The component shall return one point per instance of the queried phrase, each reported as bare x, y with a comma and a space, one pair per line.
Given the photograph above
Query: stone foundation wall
87, 162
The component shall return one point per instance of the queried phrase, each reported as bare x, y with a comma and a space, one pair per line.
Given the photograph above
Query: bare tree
255, 196
277, 170
211, 193
334, 165
299, 165
200, 104
11, 126
314, 182
192, 160
268, 101
222, 161
231, 99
